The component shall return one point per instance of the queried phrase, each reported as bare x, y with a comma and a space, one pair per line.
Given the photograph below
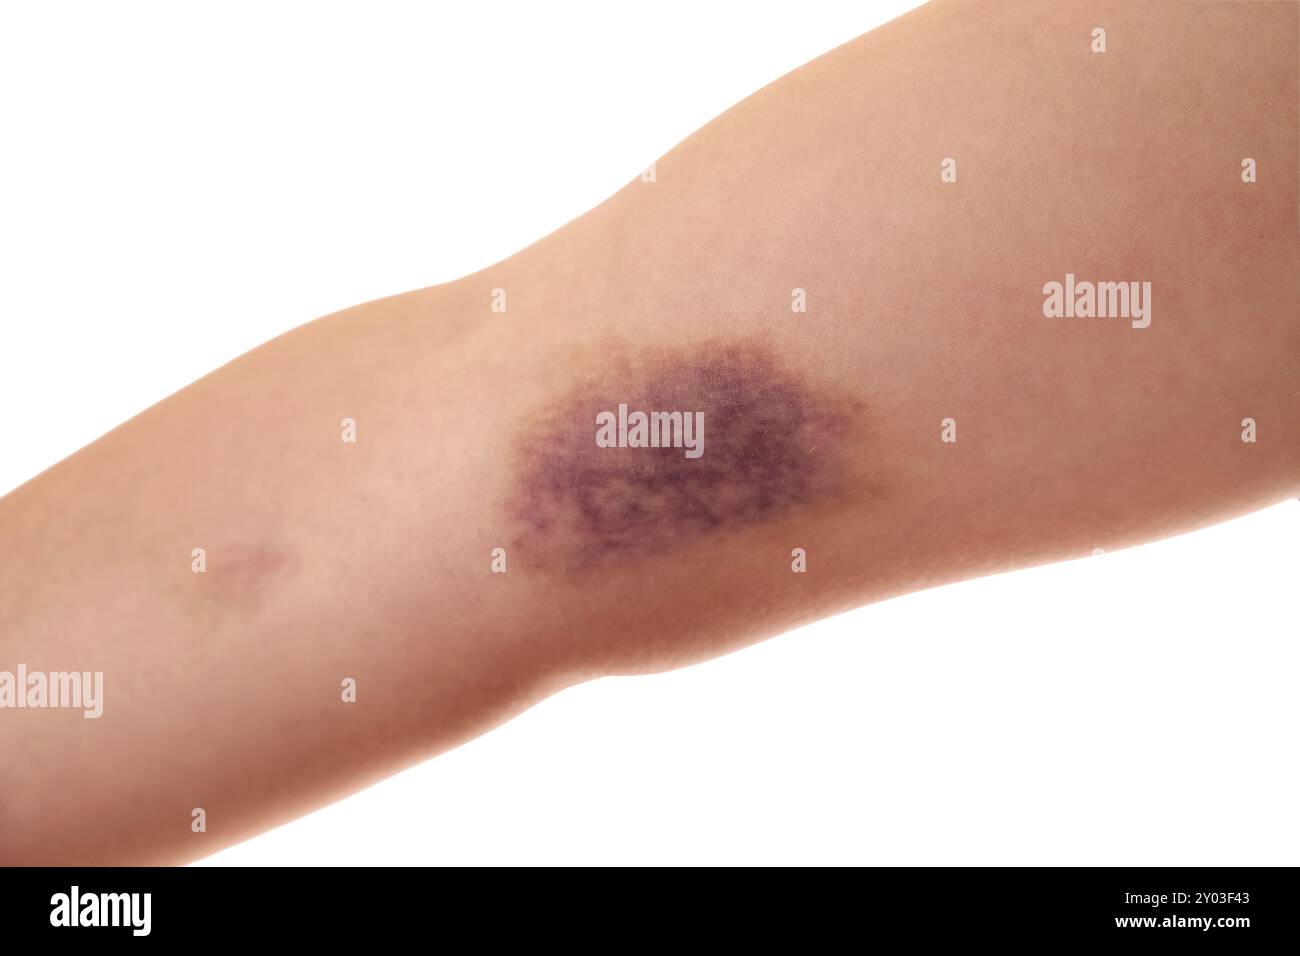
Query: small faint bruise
241, 574
778, 443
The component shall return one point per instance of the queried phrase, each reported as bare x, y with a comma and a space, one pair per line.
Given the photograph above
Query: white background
181, 181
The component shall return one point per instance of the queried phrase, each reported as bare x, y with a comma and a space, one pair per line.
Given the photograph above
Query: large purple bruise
774, 444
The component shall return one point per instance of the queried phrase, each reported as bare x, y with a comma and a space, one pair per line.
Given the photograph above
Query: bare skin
372, 560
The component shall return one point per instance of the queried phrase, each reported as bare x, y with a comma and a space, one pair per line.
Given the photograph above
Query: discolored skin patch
775, 443
242, 573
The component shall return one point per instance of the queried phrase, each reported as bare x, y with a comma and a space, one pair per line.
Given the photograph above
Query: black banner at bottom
142, 907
